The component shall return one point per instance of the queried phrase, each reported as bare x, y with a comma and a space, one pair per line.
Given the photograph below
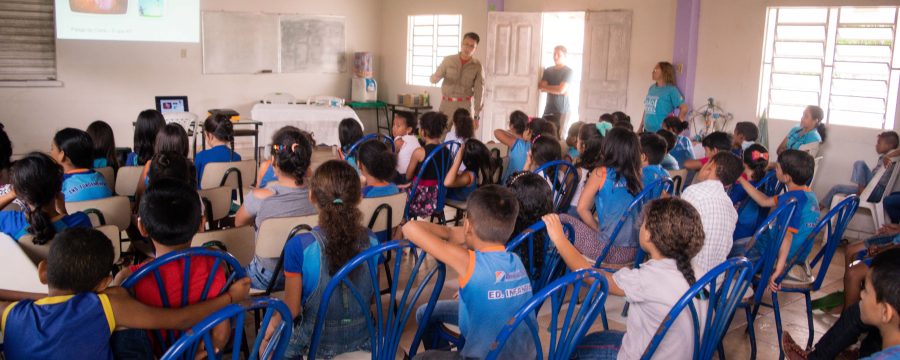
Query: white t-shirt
719, 219
652, 290
582, 179
404, 154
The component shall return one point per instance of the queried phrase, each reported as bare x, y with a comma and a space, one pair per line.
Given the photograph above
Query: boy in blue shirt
653, 149
493, 284
880, 302
794, 169
81, 313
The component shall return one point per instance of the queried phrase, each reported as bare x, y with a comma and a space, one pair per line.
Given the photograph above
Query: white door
512, 67
607, 51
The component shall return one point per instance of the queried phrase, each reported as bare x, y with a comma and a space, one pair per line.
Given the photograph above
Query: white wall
729, 61
113, 81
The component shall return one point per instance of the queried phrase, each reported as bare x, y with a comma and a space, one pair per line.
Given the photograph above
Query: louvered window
27, 42
430, 39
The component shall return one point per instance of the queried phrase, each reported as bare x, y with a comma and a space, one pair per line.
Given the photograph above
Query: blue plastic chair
552, 266
390, 318
573, 326
351, 152
563, 178
762, 269
650, 192
224, 260
836, 222
440, 159
187, 346
721, 289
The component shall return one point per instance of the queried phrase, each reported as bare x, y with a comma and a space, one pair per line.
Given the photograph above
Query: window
843, 59
430, 39
27, 42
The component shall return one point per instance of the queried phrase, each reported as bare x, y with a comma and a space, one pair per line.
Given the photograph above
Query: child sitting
104, 145
794, 169
81, 313
311, 259
426, 197
669, 162
349, 132
745, 134
266, 173
544, 149
590, 138
671, 235
148, 124
756, 160
880, 302
862, 175
653, 149
809, 135
518, 143
712, 144
461, 181
376, 163
171, 138
463, 126
403, 130
683, 149
572, 140
476, 252
74, 150
37, 180
219, 133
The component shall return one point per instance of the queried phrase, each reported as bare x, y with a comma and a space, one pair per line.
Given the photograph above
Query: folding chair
114, 210
873, 210
218, 202
238, 175
127, 180
271, 237
238, 241
109, 175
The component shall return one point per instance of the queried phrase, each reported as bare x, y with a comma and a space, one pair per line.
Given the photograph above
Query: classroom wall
113, 80
729, 61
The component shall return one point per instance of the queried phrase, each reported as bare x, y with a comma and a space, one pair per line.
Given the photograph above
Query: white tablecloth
17, 272
320, 120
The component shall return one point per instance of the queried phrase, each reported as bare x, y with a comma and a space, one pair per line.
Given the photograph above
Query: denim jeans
599, 346
131, 344
445, 312
892, 206
846, 332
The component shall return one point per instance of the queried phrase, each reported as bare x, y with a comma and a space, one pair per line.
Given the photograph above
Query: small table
321, 121
378, 106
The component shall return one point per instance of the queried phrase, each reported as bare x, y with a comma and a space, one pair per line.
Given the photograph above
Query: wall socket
183, 53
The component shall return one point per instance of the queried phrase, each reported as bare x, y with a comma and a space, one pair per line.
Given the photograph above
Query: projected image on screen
129, 20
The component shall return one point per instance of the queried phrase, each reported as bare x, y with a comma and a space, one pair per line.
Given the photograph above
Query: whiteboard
312, 44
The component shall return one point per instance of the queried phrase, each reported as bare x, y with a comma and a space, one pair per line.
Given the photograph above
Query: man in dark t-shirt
555, 83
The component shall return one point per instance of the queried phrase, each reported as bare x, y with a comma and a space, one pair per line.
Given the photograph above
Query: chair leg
809, 319
603, 319
778, 328
751, 332
721, 350
625, 310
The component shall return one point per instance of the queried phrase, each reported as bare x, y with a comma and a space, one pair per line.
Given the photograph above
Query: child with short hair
219, 133
74, 150
669, 162
712, 144
756, 161
405, 141
376, 163
476, 251
862, 174
708, 196
349, 132
515, 138
149, 123
473, 160
683, 149
671, 235
37, 181
794, 169
104, 145
745, 134
880, 302
425, 200
81, 312
653, 149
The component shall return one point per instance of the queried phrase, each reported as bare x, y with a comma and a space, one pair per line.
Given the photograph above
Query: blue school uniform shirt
652, 173
573, 153
303, 256
749, 212
801, 224
131, 159
517, 156
611, 201
795, 140
220, 153
268, 176
14, 224
380, 191
669, 163
59, 327
892, 352
100, 163
84, 184
683, 150
462, 193
495, 287
659, 103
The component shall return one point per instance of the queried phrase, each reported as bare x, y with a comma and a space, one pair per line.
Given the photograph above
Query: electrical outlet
183, 53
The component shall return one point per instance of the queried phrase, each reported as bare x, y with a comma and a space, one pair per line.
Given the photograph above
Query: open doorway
566, 29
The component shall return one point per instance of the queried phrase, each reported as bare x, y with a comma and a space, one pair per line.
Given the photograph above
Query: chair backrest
232, 267
717, 294
278, 98
386, 325
650, 192
817, 161
320, 156
219, 202
776, 223
273, 233
563, 178
551, 266
238, 241
237, 175
109, 174
578, 318
113, 210
17, 271
870, 187
115, 236
501, 147
127, 179
440, 159
188, 345
381, 137
678, 178
382, 213
836, 222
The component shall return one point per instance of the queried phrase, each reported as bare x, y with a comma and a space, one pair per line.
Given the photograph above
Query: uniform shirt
518, 153
718, 217
669, 162
132, 159
652, 173
612, 201
13, 223
220, 153
59, 327
801, 224
100, 163
492, 290
303, 257
683, 150
462, 80
556, 104
268, 176
380, 191
892, 352
84, 184
659, 103
749, 211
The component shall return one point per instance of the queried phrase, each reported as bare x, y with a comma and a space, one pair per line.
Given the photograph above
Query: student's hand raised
240, 290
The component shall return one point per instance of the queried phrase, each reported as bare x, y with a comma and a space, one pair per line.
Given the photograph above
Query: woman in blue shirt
662, 98
219, 132
808, 135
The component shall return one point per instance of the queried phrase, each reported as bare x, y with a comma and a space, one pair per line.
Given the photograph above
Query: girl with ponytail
809, 135
671, 235
37, 181
683, 149
335, 192
287, 196
219, 133
756, 160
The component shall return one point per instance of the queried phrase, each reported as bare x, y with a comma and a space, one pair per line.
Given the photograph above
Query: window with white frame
429, 39
27, 43
843, 59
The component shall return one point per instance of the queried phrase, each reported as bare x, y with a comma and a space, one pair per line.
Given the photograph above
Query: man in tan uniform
463, 76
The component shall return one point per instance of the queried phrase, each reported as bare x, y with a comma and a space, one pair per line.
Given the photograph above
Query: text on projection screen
129, 20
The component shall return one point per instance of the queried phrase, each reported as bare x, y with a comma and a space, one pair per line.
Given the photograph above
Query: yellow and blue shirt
303, 257
14, 223
84, 184
59, 327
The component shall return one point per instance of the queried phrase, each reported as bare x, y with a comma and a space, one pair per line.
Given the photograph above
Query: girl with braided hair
671, 235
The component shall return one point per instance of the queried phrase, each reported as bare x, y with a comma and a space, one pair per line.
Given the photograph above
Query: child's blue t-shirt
380, 191
268, 176
748, 211
84, 184
489, 295
59, 327
612, 201
303, 256
659, 103
131, 159
100, 163
795, 140
683, 150
220, 153
652, 173
573, 153
518, 154
801, 224
14, 224
669, 162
